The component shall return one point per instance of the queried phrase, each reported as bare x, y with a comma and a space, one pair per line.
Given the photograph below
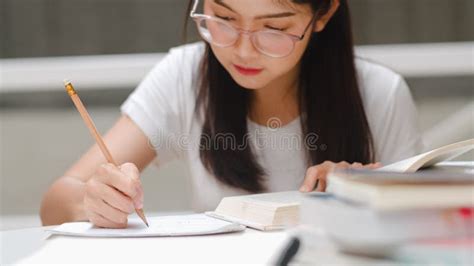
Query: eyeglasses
269, 42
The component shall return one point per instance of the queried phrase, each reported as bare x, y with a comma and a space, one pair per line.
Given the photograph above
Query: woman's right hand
111, 194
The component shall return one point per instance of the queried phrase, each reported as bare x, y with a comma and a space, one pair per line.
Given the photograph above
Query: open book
401, 186
430, 158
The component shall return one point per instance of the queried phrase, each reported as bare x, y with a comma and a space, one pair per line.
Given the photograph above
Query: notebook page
180, 225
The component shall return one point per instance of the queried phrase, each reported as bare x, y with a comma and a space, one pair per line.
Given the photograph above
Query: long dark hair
330, 106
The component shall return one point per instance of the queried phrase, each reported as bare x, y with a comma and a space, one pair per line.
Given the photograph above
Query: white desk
34, 246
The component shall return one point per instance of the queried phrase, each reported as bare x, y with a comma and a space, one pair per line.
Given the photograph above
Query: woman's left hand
315, 178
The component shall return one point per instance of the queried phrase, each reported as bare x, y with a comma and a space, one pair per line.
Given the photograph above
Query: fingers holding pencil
115, 177
111, 194
130, 185
132, 172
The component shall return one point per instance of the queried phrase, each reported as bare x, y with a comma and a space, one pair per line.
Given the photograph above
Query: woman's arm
94, 190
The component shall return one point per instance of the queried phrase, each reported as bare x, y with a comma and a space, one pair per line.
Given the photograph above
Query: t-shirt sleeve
400, 136
156, 106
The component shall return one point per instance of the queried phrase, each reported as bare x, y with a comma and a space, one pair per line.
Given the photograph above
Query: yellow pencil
95, 134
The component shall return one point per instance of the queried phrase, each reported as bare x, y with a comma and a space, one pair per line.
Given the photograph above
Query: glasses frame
198, 18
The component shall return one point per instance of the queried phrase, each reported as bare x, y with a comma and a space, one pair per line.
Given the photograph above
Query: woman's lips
248, 71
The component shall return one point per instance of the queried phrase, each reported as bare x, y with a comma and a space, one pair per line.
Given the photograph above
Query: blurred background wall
32, 28
42, 134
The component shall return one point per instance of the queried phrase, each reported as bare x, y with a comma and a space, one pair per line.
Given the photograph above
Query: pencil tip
145, 221
67, 81
141, 214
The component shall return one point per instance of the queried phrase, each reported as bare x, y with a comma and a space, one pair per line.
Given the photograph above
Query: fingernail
303, 189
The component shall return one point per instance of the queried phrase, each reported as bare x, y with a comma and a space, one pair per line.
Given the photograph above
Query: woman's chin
249, 83
248, 87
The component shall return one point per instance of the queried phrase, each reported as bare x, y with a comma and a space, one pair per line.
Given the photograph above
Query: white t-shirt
163, 106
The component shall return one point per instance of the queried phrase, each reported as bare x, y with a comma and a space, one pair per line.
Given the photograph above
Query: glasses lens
273, 43
217, 32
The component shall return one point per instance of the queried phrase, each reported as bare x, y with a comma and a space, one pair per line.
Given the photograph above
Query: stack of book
371, 212
384, 207
393, 187
382, 212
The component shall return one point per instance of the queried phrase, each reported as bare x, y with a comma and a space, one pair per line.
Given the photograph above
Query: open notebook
179, 225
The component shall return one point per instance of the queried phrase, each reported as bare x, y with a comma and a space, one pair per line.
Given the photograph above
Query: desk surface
34, 246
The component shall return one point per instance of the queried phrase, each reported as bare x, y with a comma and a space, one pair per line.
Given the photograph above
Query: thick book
359, 229
422, 181
267, 211
448, 185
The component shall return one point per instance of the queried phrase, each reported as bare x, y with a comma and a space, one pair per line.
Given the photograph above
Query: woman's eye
224, 17
275, 28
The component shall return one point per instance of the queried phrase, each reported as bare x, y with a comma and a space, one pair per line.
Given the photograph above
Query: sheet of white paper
181, 225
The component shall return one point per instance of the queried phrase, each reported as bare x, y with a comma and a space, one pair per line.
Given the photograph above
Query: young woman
272, 100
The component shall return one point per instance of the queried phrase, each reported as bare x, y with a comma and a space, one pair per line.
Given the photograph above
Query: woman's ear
322, 21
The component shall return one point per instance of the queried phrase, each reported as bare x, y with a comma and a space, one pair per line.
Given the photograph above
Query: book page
181, 225
403, 166
430, 158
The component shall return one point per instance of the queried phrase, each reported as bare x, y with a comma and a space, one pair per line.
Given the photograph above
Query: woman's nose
244, 47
